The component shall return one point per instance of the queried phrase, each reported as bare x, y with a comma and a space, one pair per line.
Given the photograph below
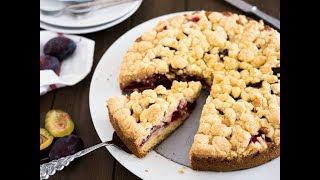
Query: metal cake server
246, 7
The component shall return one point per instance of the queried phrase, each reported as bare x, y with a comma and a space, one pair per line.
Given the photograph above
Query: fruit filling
182, 112
159, 79
254, 138
148, 83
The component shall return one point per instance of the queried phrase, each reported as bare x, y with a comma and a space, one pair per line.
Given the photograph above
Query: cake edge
139, 152
223, 165
126, 140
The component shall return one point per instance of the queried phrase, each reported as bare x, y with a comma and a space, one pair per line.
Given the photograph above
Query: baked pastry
236, 134
238, 60
143, 120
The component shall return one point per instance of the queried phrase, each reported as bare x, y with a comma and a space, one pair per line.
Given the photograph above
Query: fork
85, 7
50, 168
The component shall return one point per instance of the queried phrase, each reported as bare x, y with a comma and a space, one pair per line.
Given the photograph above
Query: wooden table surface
75, 100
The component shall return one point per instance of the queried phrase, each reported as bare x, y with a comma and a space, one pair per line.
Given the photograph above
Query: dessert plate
156, 166
95, 18
88, 29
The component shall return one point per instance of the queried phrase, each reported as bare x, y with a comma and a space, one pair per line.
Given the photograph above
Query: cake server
248, 8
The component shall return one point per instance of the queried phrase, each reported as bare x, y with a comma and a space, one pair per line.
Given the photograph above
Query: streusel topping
201, 43
140, 112
239, 57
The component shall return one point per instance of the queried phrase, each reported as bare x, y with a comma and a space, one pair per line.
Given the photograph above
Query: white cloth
73, 69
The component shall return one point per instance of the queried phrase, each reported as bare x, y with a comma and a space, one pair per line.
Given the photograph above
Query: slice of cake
240, 124
143, 120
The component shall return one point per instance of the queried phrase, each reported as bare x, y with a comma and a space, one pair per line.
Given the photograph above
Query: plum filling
255, 85
276, 70
148, 83
159, 79
254, 138
152, 131
194, 19
182, 112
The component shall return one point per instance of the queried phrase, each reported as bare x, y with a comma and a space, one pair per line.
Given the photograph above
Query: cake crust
222, 164
129, 142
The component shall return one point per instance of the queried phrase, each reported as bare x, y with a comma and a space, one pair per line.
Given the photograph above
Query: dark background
75, 100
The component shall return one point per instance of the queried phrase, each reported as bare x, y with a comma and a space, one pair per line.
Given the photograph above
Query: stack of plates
91, 22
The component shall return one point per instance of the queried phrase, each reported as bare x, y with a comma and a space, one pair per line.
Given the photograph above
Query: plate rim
132, 7
112, 150
48, 27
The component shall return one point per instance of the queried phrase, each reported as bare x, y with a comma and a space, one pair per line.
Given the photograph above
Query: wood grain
75, 100
154, 8
210, 5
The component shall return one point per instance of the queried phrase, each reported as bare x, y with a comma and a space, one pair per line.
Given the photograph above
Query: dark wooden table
75, 100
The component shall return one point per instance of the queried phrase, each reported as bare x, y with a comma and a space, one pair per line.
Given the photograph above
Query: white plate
91, 19
90, 29
105, 84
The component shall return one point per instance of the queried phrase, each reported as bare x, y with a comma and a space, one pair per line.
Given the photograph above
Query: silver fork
87, 7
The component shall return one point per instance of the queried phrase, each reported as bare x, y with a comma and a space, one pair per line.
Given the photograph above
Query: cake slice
239, 127
226, 142
143, 120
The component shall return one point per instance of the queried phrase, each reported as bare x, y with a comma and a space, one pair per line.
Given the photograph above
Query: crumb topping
139, 113
241, 59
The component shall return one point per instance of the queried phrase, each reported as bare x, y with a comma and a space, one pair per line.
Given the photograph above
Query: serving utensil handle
99, 3
50, 168
273, 21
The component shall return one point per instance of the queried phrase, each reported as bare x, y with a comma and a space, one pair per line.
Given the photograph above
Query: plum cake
234, 57
143, 120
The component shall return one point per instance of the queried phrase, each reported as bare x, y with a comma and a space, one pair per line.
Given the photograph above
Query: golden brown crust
140, 152
220, 164
129, 142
